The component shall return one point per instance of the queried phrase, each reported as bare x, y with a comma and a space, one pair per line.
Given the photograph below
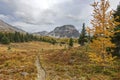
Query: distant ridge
5, 27
42, 33
66, 31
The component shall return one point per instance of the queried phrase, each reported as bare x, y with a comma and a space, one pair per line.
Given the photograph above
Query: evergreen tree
53, 41
5, 40
83, 38
71, 42
10, 36
116, 37
1, 35
17, 37
26, 37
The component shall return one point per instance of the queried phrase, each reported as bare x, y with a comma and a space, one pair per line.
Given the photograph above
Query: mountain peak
65, 31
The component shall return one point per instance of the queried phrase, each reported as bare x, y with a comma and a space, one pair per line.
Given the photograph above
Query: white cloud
3, 17
114, 3
32, 27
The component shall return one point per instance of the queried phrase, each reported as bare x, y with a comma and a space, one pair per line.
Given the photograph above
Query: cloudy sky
39, 15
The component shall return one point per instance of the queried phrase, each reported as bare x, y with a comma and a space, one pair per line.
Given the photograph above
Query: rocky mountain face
68, 31
65, 31
4, 27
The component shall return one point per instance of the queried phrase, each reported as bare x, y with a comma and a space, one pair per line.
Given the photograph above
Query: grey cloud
34, 15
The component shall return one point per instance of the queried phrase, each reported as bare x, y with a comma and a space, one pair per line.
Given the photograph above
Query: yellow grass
18, 58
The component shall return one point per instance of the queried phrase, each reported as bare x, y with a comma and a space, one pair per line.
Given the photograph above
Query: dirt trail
40, 71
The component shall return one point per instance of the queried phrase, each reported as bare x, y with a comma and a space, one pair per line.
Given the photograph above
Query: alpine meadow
59, 40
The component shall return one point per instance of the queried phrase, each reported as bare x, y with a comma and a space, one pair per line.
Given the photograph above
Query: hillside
74, 64
5, 27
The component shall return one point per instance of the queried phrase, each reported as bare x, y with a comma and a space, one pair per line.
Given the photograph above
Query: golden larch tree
103, 29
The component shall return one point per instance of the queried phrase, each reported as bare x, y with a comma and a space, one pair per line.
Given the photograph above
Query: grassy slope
18, 63
73, 64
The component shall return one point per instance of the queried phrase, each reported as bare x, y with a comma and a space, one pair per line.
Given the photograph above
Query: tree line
7, 38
